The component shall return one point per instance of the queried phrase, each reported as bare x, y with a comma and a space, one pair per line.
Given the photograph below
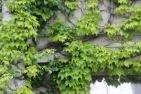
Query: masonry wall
106, 7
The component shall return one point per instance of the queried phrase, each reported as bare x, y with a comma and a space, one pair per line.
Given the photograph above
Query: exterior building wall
99, 40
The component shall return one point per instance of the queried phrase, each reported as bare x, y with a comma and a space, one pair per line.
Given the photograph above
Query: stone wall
106, 10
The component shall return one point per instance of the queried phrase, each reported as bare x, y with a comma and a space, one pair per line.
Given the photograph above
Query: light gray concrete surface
125, 88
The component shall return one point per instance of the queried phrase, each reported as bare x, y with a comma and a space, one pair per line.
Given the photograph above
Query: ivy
72, 70
72, 5
14, 47
123, 1
88, 24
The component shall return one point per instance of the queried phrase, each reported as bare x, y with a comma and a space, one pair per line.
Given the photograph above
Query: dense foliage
71, 72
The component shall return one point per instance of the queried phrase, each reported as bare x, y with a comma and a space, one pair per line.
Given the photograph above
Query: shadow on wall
125, 88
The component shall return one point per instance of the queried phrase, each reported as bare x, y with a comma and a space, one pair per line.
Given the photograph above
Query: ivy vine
79, 59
